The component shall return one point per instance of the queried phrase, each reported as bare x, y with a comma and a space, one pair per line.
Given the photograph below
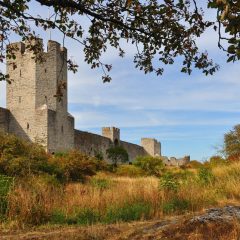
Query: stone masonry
35, 114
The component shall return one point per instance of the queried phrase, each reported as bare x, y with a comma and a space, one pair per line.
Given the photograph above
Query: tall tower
151, 146
112, 133
36, 114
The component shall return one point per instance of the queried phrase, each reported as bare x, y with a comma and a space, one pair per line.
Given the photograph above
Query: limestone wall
172, 161
112, 133
4, 119
91, 144
133, 150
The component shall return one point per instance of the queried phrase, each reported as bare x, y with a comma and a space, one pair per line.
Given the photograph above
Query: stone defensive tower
112, 133
35, 113
151, 146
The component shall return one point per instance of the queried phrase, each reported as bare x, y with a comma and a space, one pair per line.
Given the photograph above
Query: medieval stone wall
91, 144
4, 120
38, 111
133, 150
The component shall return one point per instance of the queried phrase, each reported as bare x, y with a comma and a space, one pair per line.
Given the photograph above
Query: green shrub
117, 155
19, 158
128, 212
150, 165
169, 182
205, 175
75, 166
176, 205
215, 161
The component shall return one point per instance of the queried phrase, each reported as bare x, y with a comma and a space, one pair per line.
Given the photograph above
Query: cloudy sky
188, 114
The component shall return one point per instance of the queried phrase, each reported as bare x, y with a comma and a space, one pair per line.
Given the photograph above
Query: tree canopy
160, 30
232, 144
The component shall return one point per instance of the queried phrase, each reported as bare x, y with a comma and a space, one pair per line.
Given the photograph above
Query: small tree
151, 165
117, 154
232, 144
217, 161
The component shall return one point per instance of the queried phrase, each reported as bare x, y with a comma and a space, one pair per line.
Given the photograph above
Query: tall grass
110, 199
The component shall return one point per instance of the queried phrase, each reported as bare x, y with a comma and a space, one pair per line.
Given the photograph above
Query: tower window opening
28, 126
20, 73
45, 70
62, 129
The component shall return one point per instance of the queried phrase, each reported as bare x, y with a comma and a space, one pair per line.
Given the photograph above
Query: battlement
151, 146
24, 47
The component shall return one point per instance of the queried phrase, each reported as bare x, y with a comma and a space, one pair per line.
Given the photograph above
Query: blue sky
188, 114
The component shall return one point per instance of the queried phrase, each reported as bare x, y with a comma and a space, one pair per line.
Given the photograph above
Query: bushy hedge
150, 165
20, 159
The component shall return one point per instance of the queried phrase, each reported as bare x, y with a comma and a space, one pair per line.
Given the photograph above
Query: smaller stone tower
112, 133
151, 146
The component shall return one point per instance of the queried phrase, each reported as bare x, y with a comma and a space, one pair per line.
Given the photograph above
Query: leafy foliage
117, 154
228, 17
232, 144
169, 182
205, 175
75, 166
19, 158
159, 30
217, 161
150, 165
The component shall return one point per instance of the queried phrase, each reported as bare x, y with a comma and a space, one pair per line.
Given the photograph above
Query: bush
150, 165
117, 155
75, 166
232, 144
169, 182
205, 175
19, 158
215, 161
